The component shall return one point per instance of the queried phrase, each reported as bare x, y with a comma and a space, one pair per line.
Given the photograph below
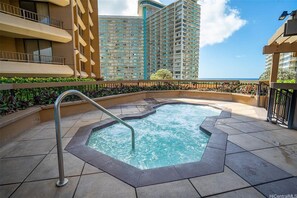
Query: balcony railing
28, 15
30, 58
282, 104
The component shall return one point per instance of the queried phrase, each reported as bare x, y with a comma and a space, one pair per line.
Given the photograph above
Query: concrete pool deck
261, 160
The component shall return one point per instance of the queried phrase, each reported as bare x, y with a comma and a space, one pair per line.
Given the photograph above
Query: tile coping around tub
211, 162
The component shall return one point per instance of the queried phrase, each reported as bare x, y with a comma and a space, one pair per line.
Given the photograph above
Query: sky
232, 32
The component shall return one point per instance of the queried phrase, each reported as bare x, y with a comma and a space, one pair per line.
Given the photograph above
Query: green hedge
14, 100
287, 81
18, 99
4, 80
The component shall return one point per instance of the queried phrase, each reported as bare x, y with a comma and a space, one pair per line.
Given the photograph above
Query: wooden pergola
277, 44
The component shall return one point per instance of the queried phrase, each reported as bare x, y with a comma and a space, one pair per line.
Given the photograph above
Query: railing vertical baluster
23, 14
275, 93
292, 108
258, 94
285, 105
279, 104
270, 105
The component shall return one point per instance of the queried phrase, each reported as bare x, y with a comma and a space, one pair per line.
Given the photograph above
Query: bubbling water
168, 137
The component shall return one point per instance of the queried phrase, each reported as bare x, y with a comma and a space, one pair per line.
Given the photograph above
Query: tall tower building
49, 38
172, 37
121, 43
169, 36
147, 9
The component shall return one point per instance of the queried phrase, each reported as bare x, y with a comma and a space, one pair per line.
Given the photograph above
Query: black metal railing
28, 15
281, 106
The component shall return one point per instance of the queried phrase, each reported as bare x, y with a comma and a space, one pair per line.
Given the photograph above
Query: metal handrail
62, 180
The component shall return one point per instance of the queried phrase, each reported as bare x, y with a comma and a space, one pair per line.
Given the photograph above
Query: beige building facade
286, 61
49, 38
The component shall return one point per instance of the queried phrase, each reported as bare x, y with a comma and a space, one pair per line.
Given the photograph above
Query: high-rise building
170, 39
286, 61
172, 35
49, 38
121, 43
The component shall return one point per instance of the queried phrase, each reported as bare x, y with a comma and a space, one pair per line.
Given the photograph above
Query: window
80, 31
37, 7
28, 5
81, 49
31, 47
79, 13
43, 12
82, 66
45, 48
40, 50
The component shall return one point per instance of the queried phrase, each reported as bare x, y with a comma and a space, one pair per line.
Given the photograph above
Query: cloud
118, 7
218, 21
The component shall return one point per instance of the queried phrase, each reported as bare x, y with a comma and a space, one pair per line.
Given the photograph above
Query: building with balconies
169, 38
49, 38
172, 37
286, 61
121, 44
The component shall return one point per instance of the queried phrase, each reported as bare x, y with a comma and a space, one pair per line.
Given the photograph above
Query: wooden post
274, 67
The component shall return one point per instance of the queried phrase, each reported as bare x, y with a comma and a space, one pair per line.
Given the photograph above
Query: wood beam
286, 39
279, 37
277, 34
281, 48
292, 39
274, 67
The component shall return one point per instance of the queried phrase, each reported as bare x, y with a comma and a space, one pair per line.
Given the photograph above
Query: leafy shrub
287, 81
283, 74
4, 80
17, 99
162, 74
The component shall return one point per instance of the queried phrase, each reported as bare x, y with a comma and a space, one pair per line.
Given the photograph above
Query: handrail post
62, 180
133, 139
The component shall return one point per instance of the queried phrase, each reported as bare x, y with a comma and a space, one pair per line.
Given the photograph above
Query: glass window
40, 8
45, 51
28, 5
31, 47
40, 50
81, 49
43, 12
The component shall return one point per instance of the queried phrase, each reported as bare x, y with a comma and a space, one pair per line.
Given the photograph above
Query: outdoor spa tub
173, 141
